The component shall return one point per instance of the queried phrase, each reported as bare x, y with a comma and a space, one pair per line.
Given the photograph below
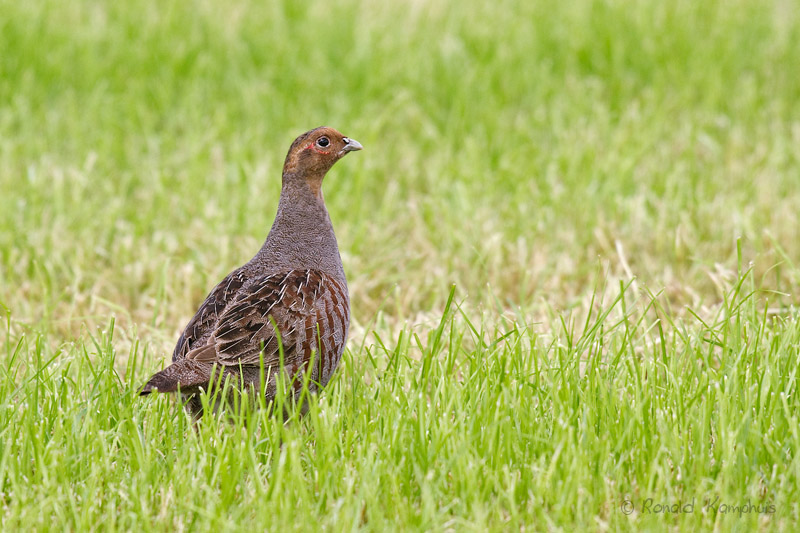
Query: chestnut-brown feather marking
300, 302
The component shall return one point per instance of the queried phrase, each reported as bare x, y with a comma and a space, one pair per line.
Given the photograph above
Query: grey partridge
288, 308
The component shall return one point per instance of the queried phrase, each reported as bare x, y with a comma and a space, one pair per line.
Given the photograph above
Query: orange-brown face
314, 153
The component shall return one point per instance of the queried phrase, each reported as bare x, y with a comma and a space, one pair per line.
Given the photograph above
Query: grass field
571, 241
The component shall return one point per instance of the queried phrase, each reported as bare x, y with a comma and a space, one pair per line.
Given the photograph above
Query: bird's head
313, 153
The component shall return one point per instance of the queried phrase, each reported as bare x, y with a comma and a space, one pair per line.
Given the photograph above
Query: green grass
611, 187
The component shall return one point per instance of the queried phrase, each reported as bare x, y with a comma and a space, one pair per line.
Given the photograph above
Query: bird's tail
187, 374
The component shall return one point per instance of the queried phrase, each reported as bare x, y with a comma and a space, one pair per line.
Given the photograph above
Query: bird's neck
302, 235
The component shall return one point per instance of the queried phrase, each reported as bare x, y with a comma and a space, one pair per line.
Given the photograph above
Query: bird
287, 310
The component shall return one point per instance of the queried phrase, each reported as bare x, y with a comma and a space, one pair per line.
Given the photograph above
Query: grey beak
351, 145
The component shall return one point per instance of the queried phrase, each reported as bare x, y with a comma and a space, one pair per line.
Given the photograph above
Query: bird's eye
323, 142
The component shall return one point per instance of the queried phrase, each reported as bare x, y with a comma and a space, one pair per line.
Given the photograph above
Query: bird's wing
308, 309
207, 316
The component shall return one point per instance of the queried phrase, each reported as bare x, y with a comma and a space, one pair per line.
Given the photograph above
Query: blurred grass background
511, 145
528, 152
